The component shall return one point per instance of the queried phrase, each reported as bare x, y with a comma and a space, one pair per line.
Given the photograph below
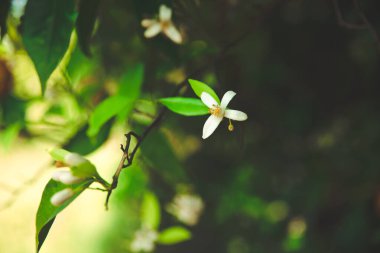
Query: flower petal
60, 197
235, 115
148, 22
165, 13
173, 34
208, 100
211, 124
152, 30
226, 99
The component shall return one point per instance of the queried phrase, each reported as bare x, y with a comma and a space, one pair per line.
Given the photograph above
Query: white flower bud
73, 159
66, 177
60, 197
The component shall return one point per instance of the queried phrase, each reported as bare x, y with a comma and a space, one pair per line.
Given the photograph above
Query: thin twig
365, 25
342, 22
127, 157
368, 24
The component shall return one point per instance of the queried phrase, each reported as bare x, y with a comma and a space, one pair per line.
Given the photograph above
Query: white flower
162, 24
60, 197
218, 111
187, 208
66, 177
144, 240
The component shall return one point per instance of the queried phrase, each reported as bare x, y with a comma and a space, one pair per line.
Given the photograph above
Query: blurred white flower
60, 197
143, 240
163, 24
66, 177
218, 111
187, 208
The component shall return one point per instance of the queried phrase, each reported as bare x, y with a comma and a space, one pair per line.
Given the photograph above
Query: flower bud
61, 197
73, 159
66, 177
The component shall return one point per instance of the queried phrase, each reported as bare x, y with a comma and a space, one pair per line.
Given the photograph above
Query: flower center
165, 24
216, 110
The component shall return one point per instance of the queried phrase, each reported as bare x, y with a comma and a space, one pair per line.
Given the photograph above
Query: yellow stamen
215, 111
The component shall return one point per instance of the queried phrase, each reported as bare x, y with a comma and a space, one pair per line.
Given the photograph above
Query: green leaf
131, 81
159, 155
120, 104
8, 136
151, 214
88, 11
47, 212
174, 235
199, 87
107, 109
185, 106
46, 31
82, 144
5, 6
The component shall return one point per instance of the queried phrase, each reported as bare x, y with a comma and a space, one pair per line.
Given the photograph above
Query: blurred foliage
301, 175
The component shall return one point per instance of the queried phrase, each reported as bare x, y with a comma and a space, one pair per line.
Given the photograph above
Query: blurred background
302, 174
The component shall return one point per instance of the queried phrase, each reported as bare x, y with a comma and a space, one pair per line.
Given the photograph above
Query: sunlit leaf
174, 235
46, 31
4, 9
47, 212
151, 213
9, 134
88, 11
185, 106
199, 87
120, 104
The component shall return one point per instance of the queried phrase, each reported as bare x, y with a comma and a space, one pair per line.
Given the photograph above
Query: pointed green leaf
174, 235
46, 31
151, 213
47, 212
107, 109
88, 11
120, 104
185, 106
199, 87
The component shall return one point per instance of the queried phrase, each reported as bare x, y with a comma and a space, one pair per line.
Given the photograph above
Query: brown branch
127, 157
